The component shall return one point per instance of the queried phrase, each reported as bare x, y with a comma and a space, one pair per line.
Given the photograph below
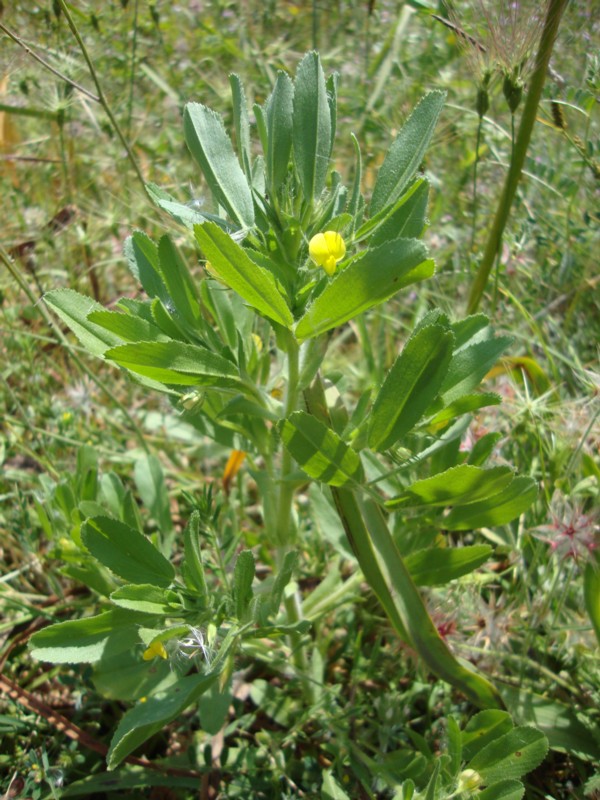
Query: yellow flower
326, 249
155, 649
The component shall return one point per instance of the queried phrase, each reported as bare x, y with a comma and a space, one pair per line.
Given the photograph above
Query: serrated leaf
278, 112
591, 592
319, 451
407, 151
86, 640
126, 552
457, 486
73, 308
177, 363
311, 127
410, 386
511, 756
436, 566
408, 220
126, 327
483, 728
142, 258
470, 365
364, 283
211, 147
498, 509
253, 283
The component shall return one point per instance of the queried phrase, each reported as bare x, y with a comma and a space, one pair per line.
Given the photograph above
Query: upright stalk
553, 16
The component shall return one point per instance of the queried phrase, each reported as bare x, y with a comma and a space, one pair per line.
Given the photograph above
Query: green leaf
283, 577
319, 451
457, 486
211, 147
253, 283
126, 780
408, 220
151, 716
241, 122
591, 592
147, 599
498, 509
511, 756
386, 572
410, 386
125, 676
470, 365
243, 576
179, 283
435, 566
150, 483
407, 151
86, 640
278, 112
503, 790
177, 363
127, 327
311, 127
464, 405
184, 214
564, 728
483, 728
126, 552
73, 308
367, 281
142, 257
330, 788
192, 565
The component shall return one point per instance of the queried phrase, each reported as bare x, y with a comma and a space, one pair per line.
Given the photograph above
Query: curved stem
553, 16
101, 96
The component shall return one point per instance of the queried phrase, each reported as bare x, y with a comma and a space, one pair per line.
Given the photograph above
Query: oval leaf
126, 552
511, 756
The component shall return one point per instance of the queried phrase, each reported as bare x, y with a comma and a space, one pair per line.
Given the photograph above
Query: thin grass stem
553, 16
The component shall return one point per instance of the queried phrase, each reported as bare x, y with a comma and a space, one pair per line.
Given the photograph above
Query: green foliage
307, 687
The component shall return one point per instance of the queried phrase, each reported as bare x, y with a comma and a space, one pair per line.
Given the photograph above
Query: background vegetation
70, 198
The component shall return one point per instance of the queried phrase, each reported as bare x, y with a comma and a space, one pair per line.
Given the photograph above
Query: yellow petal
154, 650
326, 249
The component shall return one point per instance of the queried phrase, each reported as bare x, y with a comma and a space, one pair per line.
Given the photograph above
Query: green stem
492, 248
101, 96
284, 530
